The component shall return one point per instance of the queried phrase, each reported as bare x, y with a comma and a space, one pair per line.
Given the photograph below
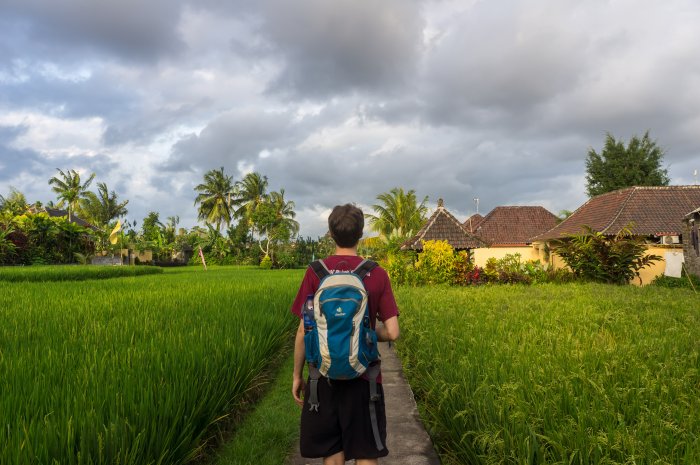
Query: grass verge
268, 434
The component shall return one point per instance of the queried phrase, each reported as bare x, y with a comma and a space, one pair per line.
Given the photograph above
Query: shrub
436, 264
400, 267
596, 257
266, 263
683, 282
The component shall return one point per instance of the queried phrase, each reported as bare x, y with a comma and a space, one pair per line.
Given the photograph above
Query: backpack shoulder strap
319, 268
365, 267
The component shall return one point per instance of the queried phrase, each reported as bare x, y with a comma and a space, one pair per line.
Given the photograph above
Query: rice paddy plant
72, 272
575, 374
133, 371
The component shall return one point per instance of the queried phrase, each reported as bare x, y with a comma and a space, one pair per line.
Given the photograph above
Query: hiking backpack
339, 340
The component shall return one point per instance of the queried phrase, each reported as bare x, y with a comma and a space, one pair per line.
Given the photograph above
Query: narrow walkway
407, 440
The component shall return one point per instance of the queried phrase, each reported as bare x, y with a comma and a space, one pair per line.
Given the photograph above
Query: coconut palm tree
214, 198
274, 219
250, 192
103, 207
398, 211
284, 211
69, 188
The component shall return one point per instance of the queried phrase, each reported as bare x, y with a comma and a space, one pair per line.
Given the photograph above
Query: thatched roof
443, 226
515, 226
655, 211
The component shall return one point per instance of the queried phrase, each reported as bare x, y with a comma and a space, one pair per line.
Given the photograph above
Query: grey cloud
131, 29
98, 95
13, 161
343, 46
238, 136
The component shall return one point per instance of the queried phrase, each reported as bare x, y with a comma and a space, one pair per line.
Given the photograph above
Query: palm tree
69, 188
284, 211
103, 207
215, 198
274, 218
250, 192
399, 212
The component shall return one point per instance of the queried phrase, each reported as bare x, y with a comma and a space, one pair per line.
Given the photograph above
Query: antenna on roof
695, 173
476, 201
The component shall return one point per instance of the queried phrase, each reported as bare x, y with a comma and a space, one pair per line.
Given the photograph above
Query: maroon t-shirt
382, 304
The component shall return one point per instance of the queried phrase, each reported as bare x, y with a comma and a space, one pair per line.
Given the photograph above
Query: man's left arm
389, 331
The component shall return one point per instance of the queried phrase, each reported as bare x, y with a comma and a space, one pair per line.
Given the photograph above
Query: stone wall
692, 260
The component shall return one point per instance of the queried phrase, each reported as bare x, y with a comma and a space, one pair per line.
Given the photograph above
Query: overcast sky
338, 101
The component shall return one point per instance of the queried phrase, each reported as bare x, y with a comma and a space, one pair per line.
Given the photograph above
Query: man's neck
345, 251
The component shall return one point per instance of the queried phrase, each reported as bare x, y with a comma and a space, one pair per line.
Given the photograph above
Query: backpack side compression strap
320, 269
365, 267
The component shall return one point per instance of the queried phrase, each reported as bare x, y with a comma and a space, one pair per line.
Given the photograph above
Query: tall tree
398, 213
274, 219
152, 227
103, 207
70, 189
617, 166
214, 198
250, 192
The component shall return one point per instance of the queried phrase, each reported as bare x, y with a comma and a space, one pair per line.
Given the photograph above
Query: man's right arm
298, 383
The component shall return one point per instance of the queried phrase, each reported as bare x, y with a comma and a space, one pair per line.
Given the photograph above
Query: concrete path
407, 440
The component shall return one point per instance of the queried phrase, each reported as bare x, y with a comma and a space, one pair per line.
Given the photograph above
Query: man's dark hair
345, 224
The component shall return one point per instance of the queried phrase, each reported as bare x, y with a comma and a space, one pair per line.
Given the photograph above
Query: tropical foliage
608, 259
39, 239
439, 263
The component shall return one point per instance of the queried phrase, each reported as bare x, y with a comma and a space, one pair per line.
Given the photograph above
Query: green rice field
137, 369
574, 374
72, 272
147, 369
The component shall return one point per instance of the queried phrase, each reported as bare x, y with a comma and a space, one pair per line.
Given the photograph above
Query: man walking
344, 419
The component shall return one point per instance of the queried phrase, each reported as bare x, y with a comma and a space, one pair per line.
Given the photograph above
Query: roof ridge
633, 189
421, 233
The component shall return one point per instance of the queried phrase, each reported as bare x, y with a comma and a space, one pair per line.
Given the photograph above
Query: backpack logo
339, 312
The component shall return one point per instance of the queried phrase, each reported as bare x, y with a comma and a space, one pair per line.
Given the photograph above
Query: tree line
243, 221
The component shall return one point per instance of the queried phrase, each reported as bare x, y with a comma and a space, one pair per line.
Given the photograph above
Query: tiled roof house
514, 226
654, 211
442, 225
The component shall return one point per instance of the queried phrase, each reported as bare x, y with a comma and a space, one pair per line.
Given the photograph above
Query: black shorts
342, 422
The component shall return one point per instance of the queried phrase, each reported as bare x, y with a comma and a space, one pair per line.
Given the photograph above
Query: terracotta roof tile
471, 223
655, 211
442, 225
515, 225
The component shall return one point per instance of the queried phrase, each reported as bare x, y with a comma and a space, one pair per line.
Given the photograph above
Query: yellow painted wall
647, 274
657, 269
481, 255
145, 256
